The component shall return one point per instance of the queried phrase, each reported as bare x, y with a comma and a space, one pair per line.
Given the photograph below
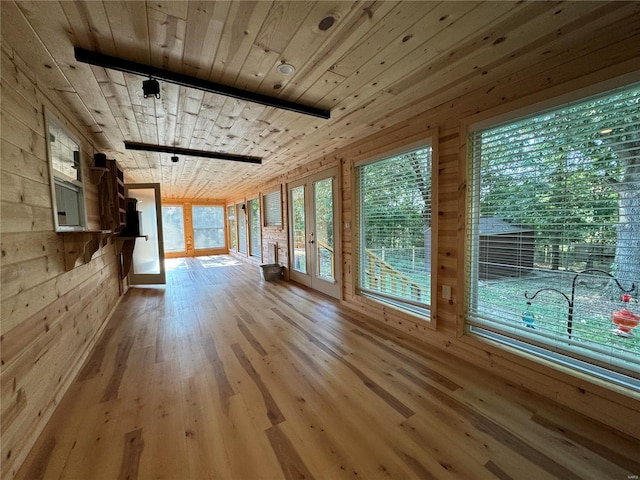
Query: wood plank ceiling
370, 63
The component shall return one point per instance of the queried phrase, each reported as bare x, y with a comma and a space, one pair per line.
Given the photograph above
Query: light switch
446, 292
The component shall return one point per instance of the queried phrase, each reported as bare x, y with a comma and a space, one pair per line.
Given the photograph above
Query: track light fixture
151, 87
174, 158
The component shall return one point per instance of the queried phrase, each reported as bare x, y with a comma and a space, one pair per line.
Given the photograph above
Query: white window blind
394, 217
555, 215
272, 209
255, 243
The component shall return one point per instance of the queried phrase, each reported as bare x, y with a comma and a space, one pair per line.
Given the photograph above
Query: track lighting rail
128, 66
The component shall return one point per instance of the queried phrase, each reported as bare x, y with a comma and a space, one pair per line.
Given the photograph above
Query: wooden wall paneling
443, 94
243, 132
50, 318
353, 23
167, 33
411, 44
259, 62
206, 22
233, 48
386, 31
51, 347
206, 122
143, 109
188, 228
53, 23
14, 25
302, 36
132, 23
98, 36
114, 89
281, 23
189, 105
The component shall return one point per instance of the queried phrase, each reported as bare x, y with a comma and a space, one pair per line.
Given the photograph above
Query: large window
555, 234
208, 227
394, 216
241, 220
255, 243
173, 228
233, 234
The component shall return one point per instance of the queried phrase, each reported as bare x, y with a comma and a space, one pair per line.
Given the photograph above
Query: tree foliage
573, 174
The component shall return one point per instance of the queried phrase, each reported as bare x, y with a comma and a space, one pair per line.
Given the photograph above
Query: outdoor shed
506, 249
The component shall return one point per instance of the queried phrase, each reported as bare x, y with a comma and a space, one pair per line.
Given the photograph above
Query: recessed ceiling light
286, 69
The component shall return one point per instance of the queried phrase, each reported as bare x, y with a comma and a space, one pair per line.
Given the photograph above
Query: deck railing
383, 277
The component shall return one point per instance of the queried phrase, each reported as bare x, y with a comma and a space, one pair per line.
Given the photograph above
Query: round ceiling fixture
286, 69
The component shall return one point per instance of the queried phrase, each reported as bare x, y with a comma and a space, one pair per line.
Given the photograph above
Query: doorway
148, 253
314, 232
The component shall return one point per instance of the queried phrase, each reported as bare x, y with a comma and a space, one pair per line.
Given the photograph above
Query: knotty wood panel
51, 319
592, 398
280, 382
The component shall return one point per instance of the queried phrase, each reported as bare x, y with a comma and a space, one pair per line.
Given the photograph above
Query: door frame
333, 289
149, 278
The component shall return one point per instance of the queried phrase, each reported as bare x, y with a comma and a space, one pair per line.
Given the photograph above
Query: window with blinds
394, 219
255, 243
554, 225
272, 203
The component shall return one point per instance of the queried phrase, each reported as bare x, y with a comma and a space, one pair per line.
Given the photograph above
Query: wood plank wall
610, 405
51, 318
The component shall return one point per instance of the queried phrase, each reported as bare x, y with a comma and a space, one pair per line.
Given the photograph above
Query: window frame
209, 250
63, 181
266, 222
425, 316
580, 364
250, 236
170, 253
232, 227
241, 212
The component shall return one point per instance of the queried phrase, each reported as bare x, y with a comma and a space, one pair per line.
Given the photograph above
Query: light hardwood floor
223, 376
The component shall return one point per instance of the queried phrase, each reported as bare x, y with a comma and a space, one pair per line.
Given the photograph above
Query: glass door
314, 234
148, 253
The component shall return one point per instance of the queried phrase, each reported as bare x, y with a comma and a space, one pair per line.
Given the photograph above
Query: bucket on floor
271, 272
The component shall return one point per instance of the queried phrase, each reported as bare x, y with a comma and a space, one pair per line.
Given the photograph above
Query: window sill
419, 314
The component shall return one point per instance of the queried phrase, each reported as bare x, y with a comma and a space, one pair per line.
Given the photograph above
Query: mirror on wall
65, 167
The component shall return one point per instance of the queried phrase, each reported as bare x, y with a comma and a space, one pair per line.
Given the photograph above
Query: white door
148, 253
314, 233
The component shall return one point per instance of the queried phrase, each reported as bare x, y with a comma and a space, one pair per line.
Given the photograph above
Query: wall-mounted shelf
113, 215
97, 173
80, 245
124, 248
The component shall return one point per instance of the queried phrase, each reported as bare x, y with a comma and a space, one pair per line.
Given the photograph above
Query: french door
314, 232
